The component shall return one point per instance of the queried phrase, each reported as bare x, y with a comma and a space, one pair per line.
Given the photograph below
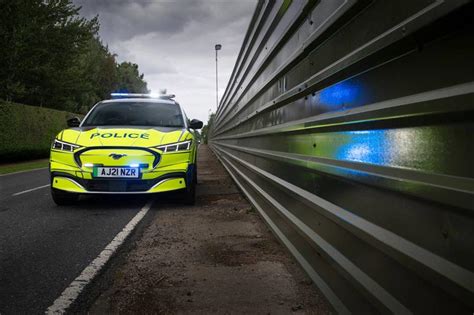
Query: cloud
173, 42
122, 19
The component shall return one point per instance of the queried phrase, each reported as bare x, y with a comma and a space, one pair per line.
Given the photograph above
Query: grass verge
23, 166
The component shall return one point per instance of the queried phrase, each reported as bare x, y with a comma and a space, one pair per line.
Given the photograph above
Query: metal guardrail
349, 125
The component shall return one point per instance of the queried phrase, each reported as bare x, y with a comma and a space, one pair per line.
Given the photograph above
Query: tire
189, 195
62, 198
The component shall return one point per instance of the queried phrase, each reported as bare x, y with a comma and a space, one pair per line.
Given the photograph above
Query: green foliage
130, 79
97, 75
44, 39
205, 131
52, 57
26, 132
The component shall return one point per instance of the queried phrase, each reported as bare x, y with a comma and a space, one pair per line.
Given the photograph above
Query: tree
52, 57
97, 74
130, 79
42, 41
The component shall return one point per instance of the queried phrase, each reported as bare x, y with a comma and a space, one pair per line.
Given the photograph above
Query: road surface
43, 247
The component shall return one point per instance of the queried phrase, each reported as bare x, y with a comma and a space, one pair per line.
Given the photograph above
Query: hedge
26, 132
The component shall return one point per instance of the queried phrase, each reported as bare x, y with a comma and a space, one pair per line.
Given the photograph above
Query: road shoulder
215, 257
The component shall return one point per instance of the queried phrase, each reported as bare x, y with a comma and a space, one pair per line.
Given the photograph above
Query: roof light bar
136, 95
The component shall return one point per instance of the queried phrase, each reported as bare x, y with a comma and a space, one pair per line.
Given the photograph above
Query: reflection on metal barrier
349, 125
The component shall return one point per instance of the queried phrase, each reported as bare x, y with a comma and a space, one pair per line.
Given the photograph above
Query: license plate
119, 172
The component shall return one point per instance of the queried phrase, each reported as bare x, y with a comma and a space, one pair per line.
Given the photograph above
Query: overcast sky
173, 43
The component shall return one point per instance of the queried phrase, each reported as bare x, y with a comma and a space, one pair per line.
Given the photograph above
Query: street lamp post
217, 47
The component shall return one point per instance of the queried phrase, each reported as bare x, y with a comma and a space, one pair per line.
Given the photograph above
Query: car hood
122, 136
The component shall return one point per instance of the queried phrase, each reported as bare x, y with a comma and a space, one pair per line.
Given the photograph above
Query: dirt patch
215, 257
238, 251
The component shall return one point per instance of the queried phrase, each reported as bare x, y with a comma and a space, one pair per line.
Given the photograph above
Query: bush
26, 132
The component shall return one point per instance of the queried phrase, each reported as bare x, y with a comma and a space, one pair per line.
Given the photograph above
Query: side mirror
73, 122
195, 124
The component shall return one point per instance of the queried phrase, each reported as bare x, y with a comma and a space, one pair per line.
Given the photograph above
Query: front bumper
117, 186
69, 172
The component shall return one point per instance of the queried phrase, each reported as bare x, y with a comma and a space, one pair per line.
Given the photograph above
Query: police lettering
120, 135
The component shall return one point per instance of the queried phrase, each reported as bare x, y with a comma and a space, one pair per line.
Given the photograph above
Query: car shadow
125, 202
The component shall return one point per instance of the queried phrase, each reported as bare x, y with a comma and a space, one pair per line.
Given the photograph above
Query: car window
188, 121
135, 114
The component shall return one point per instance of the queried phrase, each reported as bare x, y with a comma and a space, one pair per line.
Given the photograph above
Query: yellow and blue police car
130, 144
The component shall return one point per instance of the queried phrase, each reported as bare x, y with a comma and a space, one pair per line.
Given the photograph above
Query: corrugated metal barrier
350, 127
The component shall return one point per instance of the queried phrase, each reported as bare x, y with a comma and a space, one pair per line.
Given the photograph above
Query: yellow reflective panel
67, 184
168, 185
124, 136
63, 160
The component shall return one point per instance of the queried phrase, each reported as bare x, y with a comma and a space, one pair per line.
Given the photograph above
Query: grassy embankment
26, 133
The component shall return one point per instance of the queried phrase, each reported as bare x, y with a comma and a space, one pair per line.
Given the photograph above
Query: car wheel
62, 198
190, 192
190, 195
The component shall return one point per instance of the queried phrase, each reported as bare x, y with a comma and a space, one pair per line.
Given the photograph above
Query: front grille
119, 185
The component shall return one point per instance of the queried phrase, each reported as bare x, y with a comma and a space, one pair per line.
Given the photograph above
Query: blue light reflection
340, 94
365, 146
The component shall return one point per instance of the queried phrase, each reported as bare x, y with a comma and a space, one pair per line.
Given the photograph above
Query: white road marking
19, 172
71, 293
28, 190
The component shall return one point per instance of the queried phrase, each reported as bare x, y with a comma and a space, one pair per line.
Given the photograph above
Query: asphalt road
44, 247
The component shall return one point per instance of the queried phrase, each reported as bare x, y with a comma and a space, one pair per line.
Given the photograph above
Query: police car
130, 144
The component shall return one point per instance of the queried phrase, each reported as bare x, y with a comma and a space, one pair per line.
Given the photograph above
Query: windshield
135, 114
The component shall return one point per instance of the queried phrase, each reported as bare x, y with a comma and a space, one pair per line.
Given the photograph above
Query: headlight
64, 146
174, 147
